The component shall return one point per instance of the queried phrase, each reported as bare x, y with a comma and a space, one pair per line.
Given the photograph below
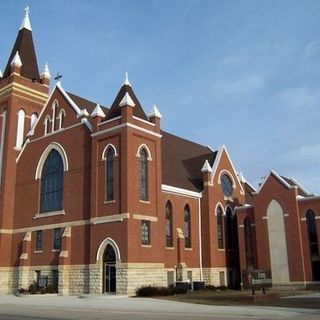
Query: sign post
256, 280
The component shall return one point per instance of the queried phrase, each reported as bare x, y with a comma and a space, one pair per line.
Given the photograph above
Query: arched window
61, 119
46, 125
52, 183
187, 227
313, 245
220, 228
169, 226
143, 174
248, 240
230, 230
109, 175
54, 113
33, 120
226, 185
20, 129
145, 232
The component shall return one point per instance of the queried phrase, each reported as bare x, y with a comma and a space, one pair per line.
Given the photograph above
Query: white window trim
20, 128
144, 146
62, 152
228, 173
62, 112
105, 150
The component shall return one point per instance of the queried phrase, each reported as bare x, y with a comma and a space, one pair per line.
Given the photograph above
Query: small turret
45, 75
155, 117
206, 173
16, 64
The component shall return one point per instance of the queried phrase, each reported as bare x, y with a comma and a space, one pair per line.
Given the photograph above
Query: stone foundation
88, 279
213, 276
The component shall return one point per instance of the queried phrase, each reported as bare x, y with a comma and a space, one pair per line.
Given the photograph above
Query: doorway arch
108, 256
109, 270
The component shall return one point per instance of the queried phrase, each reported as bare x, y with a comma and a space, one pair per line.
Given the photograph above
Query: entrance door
109, 274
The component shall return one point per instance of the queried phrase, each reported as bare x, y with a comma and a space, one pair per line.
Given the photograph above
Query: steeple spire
126, 80
26, 21
24, 45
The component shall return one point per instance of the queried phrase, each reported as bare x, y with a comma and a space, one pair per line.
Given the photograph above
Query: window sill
144, 201
221, 249
55, 250
49, 214
170, 248
109, 201
37, 251
146, 246
188, 249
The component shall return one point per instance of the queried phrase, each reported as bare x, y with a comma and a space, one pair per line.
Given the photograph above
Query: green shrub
32, 288
210, 287
222, 288
150, 291
51, 289
22, 291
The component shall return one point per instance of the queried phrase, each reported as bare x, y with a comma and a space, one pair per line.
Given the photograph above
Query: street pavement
108, 307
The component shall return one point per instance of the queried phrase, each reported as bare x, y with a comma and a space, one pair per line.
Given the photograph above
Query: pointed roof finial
127, 101
126, 80
206, 167
45, 72
26, 21
154, 112
16, 61
97, 112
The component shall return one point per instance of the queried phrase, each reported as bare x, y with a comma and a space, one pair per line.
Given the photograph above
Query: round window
226, 185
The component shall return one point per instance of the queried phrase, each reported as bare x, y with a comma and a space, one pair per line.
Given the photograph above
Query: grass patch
235, 298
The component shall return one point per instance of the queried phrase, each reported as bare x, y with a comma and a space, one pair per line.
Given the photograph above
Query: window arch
46, 124
313, 245
52, 183
55, 106
110, 174
220, 228
20, 128
62, 115
248, 240
58, 147
33, 120
143, 174
169, 225
226, 185
187, 227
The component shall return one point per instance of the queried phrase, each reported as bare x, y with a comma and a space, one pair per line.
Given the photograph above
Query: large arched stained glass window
109, 175
169, 227
220, 228
187, 227
52, 183
143, 174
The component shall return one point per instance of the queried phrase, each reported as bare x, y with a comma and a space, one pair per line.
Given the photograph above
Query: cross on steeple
58, 77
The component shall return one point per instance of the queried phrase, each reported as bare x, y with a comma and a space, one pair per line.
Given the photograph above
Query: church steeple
24, 46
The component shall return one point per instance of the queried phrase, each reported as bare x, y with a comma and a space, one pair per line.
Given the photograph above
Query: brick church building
102, 199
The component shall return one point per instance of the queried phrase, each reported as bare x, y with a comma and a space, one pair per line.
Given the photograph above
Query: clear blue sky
244, 73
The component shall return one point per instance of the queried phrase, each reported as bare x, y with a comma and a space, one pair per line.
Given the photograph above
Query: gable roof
278, 177
115, 109
24, 45
85, 103
182, 161
301, 190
